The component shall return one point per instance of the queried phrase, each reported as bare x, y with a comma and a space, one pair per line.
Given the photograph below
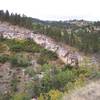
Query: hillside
46, 60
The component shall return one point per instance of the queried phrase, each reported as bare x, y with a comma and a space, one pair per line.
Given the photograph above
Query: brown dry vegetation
90, 92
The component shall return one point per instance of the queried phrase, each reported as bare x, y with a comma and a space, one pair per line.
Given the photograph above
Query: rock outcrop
65, 54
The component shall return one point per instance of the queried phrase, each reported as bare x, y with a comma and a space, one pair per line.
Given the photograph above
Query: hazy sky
54, 9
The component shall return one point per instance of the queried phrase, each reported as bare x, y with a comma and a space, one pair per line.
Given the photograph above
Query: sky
54, 9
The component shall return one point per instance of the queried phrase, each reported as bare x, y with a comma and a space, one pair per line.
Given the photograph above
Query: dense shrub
19, 62
51, 95
62, 80
4, 58
6, 96
14, 83
48, 54
16, 48
23, 45
30, 71
64, 77
21, 96
41, 60
16, 19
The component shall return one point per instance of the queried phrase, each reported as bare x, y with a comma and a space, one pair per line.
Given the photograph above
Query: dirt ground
89, 92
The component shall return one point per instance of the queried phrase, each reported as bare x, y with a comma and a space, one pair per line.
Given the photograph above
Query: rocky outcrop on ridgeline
65, 54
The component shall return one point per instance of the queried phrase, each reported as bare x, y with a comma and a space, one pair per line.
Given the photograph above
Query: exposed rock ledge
65, 54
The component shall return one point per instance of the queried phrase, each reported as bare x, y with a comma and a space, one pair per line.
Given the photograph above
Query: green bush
64, 77
63, 80
16, 48
46, 56
23, 45
6, 96
42, 60
14, 61
19, 62
46, 67
3, 58
21, 96
14, 83
51, 95
30, 71
49, 55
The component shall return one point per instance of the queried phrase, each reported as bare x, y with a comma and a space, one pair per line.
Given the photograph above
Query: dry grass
89, 92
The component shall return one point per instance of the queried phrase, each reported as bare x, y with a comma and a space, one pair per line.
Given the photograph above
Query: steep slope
26, 40
65, 54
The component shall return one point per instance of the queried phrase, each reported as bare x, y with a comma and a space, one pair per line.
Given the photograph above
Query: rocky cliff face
66, 54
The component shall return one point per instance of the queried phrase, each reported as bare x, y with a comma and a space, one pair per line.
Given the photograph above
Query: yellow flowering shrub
55, 94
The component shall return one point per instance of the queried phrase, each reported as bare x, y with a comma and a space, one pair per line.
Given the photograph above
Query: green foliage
14, 61
64, 77
51, 95
6, 96
18, 61
4, 58
84, 37
30, 71
16, 19
23, 45
3, 47
63, 80
54, 78
54, 81
16, 48
55, 94
46, 56
14, 83
46, 67
95, 75
41, 60
21, 96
